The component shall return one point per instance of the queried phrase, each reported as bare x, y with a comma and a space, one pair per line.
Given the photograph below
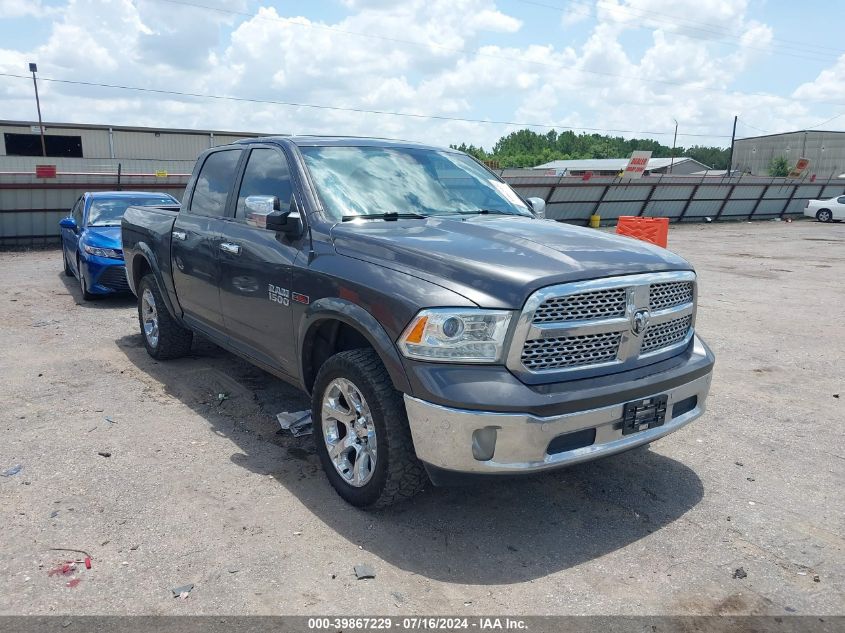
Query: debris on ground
816, 578
110, 421
364, 572
750, 478
183, 591
73, 582
14, 470
221, 397
739, 572
297, 422
54, 514
836, 395
104, 454
739, 463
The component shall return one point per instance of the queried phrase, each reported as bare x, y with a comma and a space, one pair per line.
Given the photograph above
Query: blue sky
630, 65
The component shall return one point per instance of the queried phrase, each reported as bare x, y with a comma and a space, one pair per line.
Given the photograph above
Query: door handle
232, 249
180, 235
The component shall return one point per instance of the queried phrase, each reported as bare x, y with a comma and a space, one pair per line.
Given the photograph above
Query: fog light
484, 443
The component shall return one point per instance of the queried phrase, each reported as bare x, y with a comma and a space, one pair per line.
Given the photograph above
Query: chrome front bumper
454, 439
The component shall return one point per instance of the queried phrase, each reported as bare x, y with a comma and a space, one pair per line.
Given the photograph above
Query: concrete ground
198, 491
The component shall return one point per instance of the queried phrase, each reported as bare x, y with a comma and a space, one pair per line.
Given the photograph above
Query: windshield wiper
389, 216
488, 212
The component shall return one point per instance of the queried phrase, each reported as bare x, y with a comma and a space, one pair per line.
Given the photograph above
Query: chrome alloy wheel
149, 317
349, 432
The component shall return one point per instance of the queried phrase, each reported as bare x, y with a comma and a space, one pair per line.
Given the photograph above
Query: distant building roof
612, 164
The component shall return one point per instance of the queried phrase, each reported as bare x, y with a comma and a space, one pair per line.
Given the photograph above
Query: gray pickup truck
440, 325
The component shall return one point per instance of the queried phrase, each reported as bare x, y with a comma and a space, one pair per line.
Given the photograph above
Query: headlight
111, 253
457, 335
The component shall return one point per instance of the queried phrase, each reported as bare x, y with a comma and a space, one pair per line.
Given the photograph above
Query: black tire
83, 285
68, 270
173, 340
824, 215
398, 474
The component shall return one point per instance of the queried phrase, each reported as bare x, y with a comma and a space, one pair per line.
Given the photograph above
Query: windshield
372, 181
109, 211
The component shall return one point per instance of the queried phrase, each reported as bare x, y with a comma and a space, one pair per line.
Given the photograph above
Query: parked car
829, 210
91, 247
441, 327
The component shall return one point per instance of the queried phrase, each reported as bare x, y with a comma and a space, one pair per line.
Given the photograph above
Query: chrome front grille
669, 295
570, 351
601, 304
665, 334
618, 322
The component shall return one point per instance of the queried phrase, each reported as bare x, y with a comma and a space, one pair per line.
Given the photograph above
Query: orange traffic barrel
654, 230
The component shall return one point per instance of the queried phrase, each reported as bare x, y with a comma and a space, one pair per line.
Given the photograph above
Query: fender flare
145, 252
353, 315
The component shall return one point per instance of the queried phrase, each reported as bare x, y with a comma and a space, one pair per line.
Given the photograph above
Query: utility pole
674, 140
33, 68
731, 155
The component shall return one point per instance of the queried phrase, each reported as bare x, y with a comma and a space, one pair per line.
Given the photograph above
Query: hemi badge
300, 298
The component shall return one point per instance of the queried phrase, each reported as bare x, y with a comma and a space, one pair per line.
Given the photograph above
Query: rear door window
214, 183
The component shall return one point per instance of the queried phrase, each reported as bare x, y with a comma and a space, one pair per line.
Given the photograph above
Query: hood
103, 236
497, 261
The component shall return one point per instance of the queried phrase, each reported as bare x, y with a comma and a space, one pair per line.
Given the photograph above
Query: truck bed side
146, 235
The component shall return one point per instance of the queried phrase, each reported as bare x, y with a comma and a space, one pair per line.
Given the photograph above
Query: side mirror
264, 212
68, 223
538, 206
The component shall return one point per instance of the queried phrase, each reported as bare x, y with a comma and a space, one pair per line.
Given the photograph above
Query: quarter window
214, 183
266, 174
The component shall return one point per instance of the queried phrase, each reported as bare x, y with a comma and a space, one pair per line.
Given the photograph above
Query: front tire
824, 215
361, 432
83, 285
68, 270
163, 337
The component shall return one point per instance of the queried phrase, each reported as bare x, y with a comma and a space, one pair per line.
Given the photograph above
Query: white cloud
575, 14
448, 69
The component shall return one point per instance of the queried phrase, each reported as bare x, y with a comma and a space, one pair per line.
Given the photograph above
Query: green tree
778, 166
525, 148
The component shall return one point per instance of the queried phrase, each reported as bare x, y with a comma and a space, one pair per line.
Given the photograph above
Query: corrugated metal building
825, 149
71, 140
680, 165
88, 158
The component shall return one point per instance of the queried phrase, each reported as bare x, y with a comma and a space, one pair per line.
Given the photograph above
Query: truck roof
126, 194
335, 141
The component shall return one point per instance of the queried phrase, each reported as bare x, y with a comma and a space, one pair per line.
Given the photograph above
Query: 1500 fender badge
278, 295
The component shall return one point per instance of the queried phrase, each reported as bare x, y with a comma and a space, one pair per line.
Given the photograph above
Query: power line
356, 110
522, 60
704, 27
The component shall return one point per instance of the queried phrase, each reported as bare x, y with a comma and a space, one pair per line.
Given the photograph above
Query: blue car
91, 246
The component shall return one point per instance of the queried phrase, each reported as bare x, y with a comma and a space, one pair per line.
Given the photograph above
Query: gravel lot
209, 493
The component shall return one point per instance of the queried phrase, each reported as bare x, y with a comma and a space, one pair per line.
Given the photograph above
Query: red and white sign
637, 164
45, 171
800, 167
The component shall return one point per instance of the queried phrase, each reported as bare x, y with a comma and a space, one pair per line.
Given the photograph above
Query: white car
826, 210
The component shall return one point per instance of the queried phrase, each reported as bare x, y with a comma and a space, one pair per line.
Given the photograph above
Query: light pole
674, 139
33, 68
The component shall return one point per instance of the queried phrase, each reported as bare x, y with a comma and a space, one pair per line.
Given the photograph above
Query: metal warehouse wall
826, 151
128, 142
30, 207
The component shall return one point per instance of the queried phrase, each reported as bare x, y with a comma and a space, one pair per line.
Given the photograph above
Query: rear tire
163, 337
824, 215
377, 426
